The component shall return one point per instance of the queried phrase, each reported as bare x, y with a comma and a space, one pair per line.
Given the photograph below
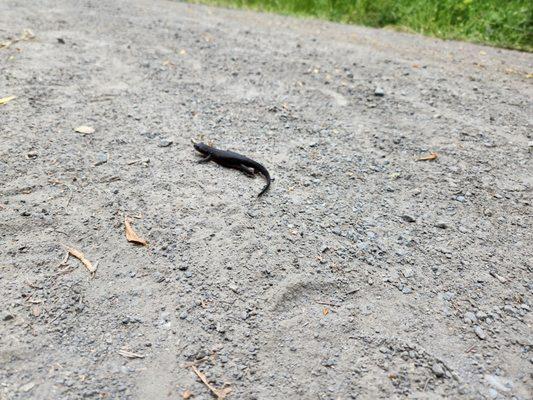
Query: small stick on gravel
432, 156
79, 255
139, 160
65, 259
70, 196
57, 316
219, 393
471, 349
327, 303
500, 278
129, 354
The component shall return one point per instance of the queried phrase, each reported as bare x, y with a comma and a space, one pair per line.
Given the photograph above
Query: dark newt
230, 159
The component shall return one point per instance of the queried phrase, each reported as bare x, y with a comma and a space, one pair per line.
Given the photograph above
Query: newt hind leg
248, 171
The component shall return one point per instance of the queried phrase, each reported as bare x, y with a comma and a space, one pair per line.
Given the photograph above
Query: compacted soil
363, 273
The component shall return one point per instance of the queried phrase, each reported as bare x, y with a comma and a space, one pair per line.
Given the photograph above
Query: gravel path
362, 274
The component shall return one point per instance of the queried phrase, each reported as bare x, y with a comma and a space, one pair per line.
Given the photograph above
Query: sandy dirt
362, 274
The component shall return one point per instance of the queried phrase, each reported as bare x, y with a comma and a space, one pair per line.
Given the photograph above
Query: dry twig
432, 156
129, 354
219, 393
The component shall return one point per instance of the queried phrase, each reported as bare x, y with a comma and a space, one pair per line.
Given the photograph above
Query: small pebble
407, 272
101, 158
481, 315
470, 317
330, 362
408, 218
379, 92
438, 370
6, 316
480, 332
441, 225
448, 296
165, 142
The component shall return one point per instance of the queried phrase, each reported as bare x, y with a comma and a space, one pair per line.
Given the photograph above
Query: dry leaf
79, 255
131, 236
86, 130
187, 394
325, 311
220, 393
7, 99
27, 34
432, 156
129, 354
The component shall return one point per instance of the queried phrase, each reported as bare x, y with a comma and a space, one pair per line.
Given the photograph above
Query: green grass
503, 23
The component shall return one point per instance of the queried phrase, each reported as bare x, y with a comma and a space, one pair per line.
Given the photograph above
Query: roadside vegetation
502, 23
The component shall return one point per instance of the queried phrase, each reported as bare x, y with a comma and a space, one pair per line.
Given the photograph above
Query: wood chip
325, 311
86, 130
499, 277
187, 394
432, 156
79, 255
7, 99
129, 354
131, 236
221, 394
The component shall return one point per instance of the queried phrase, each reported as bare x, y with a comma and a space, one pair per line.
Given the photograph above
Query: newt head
201, 147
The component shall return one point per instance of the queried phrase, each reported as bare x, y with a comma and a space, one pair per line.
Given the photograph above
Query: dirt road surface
362, 274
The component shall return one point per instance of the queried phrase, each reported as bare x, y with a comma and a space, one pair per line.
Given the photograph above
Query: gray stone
6, 316
481, 315
448, 296
408, 218
470, 317
165, 142
438, 370
480, 332
101, 158
441, 224
379, 92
